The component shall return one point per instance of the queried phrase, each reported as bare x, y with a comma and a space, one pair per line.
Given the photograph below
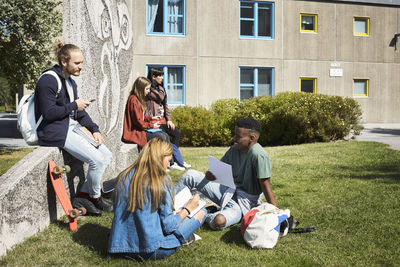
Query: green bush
304, 118
287, 118
259, 108
223, 112
196, 124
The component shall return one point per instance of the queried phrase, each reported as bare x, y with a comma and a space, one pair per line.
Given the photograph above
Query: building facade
211, 50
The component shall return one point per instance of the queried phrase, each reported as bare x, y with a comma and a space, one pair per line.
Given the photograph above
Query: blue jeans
184, 231
177, 156
214, 191
97, 158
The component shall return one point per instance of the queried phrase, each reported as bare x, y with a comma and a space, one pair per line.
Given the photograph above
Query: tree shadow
385, 131
93, 236
389, 173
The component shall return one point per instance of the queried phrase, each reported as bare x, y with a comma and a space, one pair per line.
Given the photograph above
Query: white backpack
261, 226
26, 122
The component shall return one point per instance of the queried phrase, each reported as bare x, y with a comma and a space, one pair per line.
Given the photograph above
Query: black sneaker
106, 195
212, 208
102, 204
79, 202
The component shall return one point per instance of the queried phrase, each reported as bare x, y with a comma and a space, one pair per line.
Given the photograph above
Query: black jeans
174, 134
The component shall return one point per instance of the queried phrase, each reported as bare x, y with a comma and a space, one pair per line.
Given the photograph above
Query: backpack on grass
26, 121
261, 226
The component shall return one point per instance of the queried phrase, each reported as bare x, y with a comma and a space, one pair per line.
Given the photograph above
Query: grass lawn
8, 157
3, 108
350, 191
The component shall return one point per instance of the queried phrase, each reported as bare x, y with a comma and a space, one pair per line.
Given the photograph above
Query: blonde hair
138, 90
63, 51
149, 176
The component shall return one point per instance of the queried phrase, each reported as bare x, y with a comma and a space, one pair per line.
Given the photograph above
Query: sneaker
212, 208
106, 195
79, 202
189, 241
102, 204
186, 165
175, 166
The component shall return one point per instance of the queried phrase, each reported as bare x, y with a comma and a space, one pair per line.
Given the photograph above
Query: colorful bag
261, 226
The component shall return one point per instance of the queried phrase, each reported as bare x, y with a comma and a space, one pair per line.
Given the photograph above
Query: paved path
10, 137
387, 133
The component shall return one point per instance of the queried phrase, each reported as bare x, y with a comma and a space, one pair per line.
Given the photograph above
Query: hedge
288, 118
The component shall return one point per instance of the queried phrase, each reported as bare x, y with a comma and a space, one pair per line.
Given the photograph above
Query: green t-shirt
248, 168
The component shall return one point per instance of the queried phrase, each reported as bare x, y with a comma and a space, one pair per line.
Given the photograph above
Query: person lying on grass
145, 225
251, 169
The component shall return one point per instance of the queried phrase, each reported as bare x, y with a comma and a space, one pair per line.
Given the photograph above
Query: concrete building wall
360, 57
212, 51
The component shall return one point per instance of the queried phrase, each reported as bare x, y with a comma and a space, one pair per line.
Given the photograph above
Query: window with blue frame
166, 17
174, 82
256, 82
256, 19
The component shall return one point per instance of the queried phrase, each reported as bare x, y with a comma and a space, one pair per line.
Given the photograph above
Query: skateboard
58, 185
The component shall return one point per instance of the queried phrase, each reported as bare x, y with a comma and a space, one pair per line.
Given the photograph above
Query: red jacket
135, 123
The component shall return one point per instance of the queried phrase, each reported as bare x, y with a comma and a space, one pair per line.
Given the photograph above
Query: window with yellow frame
360, 87
361, 26
308, 22
308, 85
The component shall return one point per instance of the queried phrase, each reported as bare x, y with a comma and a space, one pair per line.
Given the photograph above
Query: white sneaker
175, 166
186, 165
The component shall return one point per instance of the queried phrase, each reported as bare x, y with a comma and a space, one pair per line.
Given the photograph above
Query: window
360, 87
256, 19
361, 26
166, 17
308, 22
308, 85
256, 82
174, 82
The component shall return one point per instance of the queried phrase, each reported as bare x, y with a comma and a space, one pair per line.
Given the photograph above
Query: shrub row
288, 118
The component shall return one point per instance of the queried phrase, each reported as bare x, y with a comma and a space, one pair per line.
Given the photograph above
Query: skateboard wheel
67, 168
57, 170
73, 213
82, 211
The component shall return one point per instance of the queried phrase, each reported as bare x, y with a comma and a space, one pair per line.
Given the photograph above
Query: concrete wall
212, 51
103, 30
360, 57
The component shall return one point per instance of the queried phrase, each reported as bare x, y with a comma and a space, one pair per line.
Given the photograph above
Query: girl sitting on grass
145, 225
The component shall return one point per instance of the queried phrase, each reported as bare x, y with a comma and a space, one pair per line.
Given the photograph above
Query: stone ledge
27, 200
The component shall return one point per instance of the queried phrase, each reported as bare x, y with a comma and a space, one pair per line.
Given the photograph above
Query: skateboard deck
62, 195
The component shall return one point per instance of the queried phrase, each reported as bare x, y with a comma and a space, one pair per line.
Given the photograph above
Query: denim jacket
142, 231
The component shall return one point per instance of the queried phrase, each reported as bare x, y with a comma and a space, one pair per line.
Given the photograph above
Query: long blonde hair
150, 176
138, 90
